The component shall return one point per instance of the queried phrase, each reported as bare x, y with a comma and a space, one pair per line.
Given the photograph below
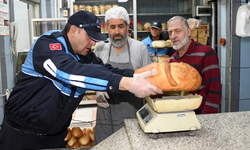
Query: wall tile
222, 106
9, 71
3, 73
2, 52
245, 52
244, 83
236, 51
1, 109
234, 105
234, 10
225, 82
226, 105
7, 45
236, 1
235, 84
244, 105
225, 19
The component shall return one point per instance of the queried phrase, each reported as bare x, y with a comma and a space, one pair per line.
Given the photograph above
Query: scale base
153, 122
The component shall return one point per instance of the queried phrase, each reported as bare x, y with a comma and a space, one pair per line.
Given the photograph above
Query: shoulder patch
55, 46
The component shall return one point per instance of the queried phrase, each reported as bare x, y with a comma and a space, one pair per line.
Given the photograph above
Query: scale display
145, 115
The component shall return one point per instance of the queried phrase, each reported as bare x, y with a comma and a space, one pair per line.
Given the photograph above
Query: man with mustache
121, 52
201, 57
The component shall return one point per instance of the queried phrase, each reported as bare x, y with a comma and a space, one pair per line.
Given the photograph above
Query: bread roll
84, 139
89, 8
81, 7
161, 44
76, 132
68, 135
88, 130
75, 8
107, 7
91, 135
76, 145
173, 76
72, 141
102, 9
164, 26
96, 10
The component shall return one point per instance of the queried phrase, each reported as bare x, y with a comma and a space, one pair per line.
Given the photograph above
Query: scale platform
169, 114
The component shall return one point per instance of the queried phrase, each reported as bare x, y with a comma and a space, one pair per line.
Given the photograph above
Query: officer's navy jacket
53, 81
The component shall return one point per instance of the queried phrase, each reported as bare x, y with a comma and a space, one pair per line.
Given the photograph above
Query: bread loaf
161, 44
173, 76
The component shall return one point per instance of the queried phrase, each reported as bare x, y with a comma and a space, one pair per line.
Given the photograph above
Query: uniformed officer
53, 80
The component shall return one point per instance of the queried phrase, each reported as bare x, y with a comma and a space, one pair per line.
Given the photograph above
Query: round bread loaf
173, 76
76, 132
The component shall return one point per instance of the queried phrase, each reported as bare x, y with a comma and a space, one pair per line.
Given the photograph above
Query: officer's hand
141, 87
101, 99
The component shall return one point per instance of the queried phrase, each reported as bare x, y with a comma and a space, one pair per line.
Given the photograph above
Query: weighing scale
170, 113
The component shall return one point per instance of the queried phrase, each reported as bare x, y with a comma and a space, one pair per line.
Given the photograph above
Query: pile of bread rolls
78, 137
97, 10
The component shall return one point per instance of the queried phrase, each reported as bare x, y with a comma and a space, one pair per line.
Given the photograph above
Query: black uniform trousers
21, 140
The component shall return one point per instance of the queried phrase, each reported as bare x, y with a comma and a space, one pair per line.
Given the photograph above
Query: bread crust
186, 77
161, 44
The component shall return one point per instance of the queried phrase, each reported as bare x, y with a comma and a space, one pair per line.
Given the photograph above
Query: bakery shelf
103, 15
88, 102
163, 14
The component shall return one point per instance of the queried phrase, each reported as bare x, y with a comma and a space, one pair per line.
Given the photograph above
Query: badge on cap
155, 23
98, 21
55, 46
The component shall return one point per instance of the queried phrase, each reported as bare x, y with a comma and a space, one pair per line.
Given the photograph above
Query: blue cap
156, 24
90, 23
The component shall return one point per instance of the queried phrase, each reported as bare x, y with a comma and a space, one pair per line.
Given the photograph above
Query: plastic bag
243, 21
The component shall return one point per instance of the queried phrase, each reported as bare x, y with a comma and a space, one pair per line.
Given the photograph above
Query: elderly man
201, 57
121, 52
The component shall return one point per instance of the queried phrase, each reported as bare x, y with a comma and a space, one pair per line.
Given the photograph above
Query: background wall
234, 61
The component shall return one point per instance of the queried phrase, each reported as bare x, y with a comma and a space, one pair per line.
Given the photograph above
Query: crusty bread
161, 44
173, 76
